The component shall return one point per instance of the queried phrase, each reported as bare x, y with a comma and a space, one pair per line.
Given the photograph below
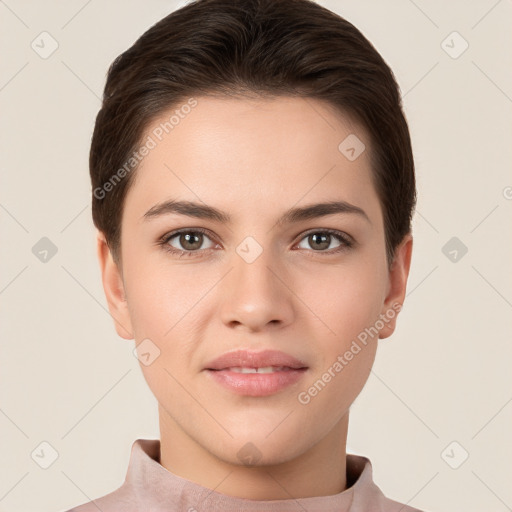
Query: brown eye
320, 241
187, 241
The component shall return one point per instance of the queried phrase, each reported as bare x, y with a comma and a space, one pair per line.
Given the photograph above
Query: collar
155, 488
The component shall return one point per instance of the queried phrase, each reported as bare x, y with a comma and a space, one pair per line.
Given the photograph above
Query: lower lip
256, 384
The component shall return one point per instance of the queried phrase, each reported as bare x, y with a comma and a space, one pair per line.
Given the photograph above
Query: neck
319, 471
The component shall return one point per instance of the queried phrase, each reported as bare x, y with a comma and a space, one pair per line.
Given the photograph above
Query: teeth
265, 369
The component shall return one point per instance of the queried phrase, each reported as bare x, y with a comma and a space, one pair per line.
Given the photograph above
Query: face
264, 271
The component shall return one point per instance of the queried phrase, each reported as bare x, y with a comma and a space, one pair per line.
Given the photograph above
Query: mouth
256, 382
250, 373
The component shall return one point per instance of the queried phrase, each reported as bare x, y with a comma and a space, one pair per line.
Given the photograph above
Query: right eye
189, 241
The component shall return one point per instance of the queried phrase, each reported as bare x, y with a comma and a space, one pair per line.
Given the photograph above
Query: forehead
256, 151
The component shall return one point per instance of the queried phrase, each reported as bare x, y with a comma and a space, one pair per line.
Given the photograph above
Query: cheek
164, 303
346, 300
160, 296
162, 311
349, 305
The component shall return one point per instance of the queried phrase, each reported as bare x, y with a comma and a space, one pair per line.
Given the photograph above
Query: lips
256, 374
244, 359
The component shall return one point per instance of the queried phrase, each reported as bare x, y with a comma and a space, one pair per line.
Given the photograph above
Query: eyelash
346, 241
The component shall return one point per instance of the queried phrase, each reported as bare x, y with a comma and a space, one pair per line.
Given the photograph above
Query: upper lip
251, 359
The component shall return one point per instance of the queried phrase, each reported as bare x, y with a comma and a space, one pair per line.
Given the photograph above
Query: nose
256, 295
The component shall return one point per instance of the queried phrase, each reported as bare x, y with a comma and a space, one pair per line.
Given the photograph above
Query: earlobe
113, 287
397, 285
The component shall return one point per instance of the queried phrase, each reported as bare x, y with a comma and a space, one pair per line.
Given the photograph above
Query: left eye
321, 240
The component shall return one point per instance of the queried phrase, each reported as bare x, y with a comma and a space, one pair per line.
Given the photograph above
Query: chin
258, 450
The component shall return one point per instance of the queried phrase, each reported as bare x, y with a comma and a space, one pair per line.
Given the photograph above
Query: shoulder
120, 500
376, 501
394, 506
129, 496
367, 495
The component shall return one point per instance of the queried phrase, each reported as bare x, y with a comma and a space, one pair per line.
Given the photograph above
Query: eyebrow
203, 211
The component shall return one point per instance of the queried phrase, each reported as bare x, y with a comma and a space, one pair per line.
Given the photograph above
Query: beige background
68, 380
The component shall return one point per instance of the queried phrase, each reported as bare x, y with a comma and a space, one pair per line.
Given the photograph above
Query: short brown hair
251, 47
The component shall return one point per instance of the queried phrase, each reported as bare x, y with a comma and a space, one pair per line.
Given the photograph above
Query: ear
397, 283
113, 286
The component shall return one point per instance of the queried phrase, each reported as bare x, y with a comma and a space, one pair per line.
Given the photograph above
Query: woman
253, 188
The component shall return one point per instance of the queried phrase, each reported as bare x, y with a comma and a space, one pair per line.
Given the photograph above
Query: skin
254, 159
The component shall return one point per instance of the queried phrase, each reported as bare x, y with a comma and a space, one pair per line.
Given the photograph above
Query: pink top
149, 487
